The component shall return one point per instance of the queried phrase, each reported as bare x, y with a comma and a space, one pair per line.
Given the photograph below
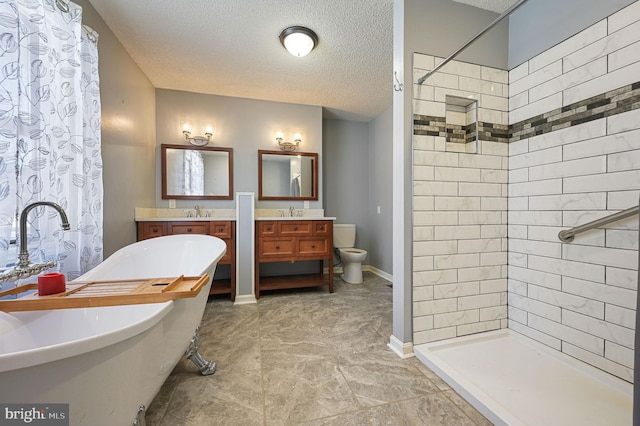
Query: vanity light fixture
197, 140
288, 146
298, 41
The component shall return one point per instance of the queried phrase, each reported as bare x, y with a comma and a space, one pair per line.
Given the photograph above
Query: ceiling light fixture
298, 41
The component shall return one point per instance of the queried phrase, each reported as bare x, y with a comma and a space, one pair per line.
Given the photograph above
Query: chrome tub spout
23, 257
24, 268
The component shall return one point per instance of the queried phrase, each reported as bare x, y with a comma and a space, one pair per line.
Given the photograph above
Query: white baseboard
378, 272
369, 268
245, 299
403, 350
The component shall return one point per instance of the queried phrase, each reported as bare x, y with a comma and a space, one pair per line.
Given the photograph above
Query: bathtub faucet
24, 267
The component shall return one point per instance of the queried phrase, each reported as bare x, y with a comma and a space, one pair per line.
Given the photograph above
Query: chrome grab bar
567, 235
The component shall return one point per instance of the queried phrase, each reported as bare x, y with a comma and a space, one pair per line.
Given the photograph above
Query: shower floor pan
514, 380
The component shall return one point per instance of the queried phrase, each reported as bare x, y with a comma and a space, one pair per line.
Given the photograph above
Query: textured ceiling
231, 48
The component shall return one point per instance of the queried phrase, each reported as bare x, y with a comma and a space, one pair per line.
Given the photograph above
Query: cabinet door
148, 230
275, 248
294, 227
314, 246
188, 227
226, 259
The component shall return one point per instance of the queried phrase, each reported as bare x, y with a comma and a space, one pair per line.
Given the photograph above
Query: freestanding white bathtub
106, 362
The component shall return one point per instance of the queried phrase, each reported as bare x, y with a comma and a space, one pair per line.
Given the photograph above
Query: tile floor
307, 357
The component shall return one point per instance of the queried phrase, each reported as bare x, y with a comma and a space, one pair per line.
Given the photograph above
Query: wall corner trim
403, 350
245, 299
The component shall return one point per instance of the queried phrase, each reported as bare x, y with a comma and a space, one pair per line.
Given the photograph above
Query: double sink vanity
277, 239
278, 236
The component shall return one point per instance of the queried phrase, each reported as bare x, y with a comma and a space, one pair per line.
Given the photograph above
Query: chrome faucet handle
188, 212
207, 213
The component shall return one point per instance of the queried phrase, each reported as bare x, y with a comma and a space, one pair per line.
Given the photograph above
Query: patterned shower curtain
50, 146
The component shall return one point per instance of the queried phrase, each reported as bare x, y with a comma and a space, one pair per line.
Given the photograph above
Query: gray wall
128, 135
540, 24
438, 27
246, 125
380, 192
346, 149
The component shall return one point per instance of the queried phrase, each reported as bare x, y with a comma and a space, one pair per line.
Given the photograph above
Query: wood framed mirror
287, 175
196, 172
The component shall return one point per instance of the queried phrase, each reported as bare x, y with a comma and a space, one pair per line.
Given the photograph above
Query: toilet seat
352, 250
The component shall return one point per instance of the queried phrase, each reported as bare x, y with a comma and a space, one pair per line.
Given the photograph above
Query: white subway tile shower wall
460, 284
579, 297
572, 124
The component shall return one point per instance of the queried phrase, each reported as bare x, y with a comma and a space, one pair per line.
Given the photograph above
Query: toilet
344, 238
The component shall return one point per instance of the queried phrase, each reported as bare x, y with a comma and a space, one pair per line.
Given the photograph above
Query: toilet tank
344, 235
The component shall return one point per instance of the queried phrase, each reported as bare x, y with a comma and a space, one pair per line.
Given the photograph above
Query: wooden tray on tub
92, 294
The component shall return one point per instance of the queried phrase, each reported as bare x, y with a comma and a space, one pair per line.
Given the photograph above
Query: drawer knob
220, 229
313, 246
268, 228
321, 227
188, 229
295, 228
155, 230
277, 247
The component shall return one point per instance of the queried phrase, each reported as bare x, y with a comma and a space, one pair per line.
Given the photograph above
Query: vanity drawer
294, 228
313, 246
322, 227
267, 229
220, 229
189, 227
151, 230
276, 247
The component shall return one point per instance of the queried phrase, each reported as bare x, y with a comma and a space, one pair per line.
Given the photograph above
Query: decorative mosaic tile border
436, 126
617, 101
493, 132
429, 125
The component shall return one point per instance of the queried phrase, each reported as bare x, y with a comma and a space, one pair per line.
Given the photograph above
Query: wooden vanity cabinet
290, 241
224, 229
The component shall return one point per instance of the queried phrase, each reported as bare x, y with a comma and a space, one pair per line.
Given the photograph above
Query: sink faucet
24, 268
291, 211
197, 209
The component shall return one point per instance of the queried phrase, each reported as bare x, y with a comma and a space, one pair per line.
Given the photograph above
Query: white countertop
180, 215
183, 219
295, 218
